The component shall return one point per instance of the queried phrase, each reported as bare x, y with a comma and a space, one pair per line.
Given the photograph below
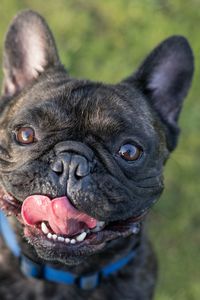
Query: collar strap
43, 271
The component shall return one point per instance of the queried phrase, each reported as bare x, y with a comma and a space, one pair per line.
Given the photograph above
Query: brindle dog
81, 163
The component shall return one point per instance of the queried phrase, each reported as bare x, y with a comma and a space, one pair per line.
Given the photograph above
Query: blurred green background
105, 41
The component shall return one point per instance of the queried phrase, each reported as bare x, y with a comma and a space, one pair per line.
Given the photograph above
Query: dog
81, 164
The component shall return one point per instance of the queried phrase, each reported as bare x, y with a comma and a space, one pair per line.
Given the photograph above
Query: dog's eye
25, 135
130, 152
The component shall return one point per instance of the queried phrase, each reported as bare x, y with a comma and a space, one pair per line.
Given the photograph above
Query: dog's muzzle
73, 162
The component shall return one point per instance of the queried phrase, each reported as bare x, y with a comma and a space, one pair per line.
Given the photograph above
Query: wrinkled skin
81, 126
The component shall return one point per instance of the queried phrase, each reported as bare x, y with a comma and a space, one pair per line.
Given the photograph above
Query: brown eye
25, 135
130, 152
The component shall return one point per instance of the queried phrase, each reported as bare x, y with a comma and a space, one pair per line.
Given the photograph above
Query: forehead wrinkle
44, 115
50, 114
104, 121
99, 109
122, 111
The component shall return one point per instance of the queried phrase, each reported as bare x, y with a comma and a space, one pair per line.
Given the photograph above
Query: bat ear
28, 51
164, 78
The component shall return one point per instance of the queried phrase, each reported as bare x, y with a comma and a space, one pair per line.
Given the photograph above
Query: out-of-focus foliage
105, 41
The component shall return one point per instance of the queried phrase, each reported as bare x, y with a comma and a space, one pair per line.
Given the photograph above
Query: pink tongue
63, 218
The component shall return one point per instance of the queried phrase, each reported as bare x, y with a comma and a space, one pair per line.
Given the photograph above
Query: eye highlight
130, 152
25, 135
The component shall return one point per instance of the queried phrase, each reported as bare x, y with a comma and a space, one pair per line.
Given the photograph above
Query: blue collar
31, 269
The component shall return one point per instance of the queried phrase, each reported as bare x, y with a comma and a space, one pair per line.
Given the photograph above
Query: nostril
82, 170
71, 166
57, 166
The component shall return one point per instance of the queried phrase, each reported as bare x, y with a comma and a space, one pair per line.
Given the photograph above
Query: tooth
73, 241
99, 226
44, 228
49, 235
67, 240
135, 229
81, 237
54, 236
61, 239
100, 223
96, 229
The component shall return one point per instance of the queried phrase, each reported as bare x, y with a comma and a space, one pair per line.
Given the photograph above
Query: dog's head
81, 162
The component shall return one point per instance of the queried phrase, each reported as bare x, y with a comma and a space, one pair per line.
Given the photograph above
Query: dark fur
142, 109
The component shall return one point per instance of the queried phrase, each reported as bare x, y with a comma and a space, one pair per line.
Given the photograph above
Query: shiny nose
73, 159
71, 165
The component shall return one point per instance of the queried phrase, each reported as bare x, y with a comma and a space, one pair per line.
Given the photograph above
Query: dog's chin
73, 249
70, 250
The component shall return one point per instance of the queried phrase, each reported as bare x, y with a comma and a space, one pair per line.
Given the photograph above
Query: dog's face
82, 162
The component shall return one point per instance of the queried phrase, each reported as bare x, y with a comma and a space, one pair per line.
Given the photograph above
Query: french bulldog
81, 164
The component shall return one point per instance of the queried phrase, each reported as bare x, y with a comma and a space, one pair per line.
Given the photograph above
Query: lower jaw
50, 249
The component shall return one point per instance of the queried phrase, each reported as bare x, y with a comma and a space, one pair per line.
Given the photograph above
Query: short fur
94, 119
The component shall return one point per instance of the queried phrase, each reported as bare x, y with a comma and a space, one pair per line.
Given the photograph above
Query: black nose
74, 147
71, 165
73, 160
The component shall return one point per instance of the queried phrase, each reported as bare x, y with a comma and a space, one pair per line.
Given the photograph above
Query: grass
106, 40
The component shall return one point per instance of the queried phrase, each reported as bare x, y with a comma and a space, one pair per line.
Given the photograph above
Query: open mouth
57, 225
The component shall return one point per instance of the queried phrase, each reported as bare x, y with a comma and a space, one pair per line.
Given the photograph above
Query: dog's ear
29, 50
165, 77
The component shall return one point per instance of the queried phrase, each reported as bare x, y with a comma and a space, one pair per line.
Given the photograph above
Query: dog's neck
85, 275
